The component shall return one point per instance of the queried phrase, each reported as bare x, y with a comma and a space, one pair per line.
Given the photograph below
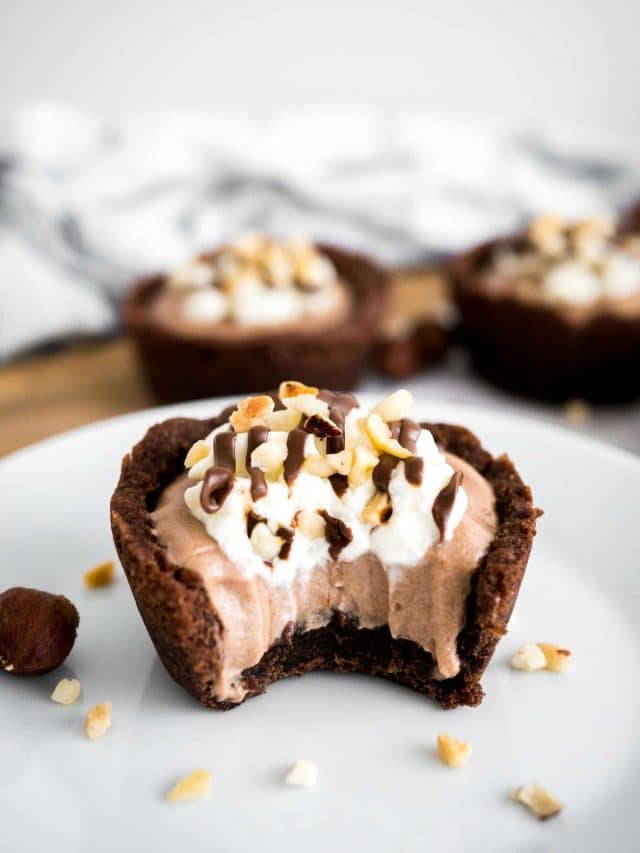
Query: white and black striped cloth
86, 204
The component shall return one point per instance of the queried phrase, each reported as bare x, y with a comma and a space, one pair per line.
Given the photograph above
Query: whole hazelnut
37, 630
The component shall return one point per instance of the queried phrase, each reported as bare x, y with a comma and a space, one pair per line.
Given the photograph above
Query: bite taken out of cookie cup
186, 627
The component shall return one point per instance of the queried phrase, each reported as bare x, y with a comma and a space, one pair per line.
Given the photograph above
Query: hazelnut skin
37, 630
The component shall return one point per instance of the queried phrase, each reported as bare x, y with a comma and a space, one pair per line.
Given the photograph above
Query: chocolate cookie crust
184, 626
535, 348
181, 367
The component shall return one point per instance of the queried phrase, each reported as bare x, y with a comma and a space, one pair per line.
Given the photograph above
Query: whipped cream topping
322, 478
576, 263
257, 281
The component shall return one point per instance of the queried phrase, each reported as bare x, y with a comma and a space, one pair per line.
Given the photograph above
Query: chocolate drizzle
252, 519
340, 483
339, 407
216, 486
409, 434
296, 441
443, 503
387, 463
337, 534
322, 427
414, 469
257, 436
224, 450
286, 534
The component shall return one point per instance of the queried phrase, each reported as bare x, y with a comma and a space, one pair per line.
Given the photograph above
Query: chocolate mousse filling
225, 636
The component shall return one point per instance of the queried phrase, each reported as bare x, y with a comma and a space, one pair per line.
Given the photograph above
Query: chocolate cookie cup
183, 367
185, 625
542, 348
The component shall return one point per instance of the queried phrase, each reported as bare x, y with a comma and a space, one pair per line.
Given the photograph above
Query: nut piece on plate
67, 691
98, 721
103, 574
395, 407
191, 787
529, 658
303, 774
452, 752
538, 800
251, 411
37, 630
557, 658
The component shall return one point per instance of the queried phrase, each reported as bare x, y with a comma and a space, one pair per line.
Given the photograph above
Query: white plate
380, 786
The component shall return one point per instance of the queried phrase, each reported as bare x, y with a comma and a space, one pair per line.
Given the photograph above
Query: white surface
380, 786
568, 60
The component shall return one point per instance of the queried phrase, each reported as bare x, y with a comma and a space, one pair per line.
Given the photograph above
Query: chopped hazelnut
364, 461
319, 466
303, 774
269, 456
310, 524
101, 575
67, 691
377, 510
199, 450
454, 753
395, 407
252, 411
191, 787
558, 659
341, 461
98, 721
265, 543
539, 801
283, 420
547, 235
291, 388
380, 437
529, 658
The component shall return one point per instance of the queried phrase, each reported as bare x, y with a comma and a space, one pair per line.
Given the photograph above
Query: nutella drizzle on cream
443, 503
337, 534
216, 487
224, 450
257, 436
286, 534
339, 407
253, 518
296, 442
340, 484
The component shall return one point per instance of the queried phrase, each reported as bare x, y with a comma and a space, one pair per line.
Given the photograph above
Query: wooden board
45, 394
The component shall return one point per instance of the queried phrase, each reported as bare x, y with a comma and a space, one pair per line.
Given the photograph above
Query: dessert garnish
192, 787
538, 800
303, 774
319, 452
103, 574
67, 691
37, 630
533, 657
452, 752
98, 721
577, 263
256, 280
